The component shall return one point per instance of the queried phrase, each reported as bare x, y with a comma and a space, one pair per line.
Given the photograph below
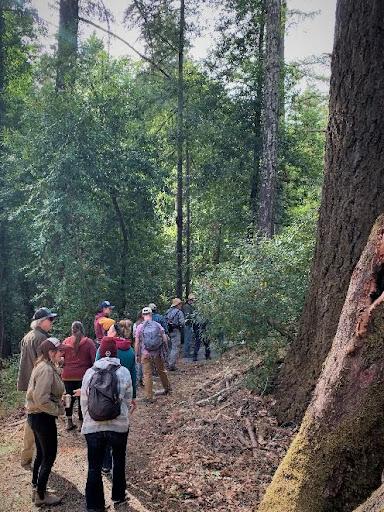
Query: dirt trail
189, 452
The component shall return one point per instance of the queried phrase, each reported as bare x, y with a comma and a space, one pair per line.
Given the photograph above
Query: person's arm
132, 371
137, 343
181, 318
42, 391
84, 391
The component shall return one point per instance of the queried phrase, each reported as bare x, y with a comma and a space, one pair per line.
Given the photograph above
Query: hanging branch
141, 55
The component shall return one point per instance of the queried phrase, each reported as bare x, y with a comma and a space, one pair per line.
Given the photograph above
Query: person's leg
187, 340
39, 454
45, 430
26, 455
107, 459
148, 381
162, 374
173, 356
94, 491
118, 441
197, 333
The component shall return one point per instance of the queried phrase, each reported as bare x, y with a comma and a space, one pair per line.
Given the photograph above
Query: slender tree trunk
353, 194
3, 251
270, 120
124, 253
67, 43
337, 458
180, 141
188, 220
257, 118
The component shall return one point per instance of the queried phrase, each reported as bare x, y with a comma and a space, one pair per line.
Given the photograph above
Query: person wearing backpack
120, 332
100, 323
176, 321
105, 400
151, 345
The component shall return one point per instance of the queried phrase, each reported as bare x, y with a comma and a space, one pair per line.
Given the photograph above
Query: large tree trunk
67, 43
124, 254
188, 263
337, 457
374, 503
180, 142
270, 120
352, 194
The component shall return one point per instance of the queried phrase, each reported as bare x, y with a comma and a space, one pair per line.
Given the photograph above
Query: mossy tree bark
337, 457
353, 194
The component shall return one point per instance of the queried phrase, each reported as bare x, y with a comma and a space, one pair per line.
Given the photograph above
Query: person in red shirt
103, 312
79, 355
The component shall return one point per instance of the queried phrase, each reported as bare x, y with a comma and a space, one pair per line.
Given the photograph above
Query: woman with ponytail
79, 355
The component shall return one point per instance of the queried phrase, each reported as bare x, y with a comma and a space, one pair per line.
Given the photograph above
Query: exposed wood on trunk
67, 43
180, 142
270, 120
252, 437
353, 194
336, 460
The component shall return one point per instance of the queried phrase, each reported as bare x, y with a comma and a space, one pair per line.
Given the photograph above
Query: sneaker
49, 500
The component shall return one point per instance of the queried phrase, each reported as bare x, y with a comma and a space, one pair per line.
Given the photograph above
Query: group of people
102, 374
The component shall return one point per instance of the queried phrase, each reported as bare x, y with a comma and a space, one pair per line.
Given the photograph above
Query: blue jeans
187, 340
97, 444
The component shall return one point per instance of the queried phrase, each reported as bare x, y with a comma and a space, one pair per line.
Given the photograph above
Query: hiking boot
118, 503
70, 425
168, 391
107, 471
49, 500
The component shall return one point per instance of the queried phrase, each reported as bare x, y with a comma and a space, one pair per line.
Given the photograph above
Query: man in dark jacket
29, 351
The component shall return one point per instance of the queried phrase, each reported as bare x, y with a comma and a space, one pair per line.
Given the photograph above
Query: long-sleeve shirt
45, 390
119, 424
76, 364
30, 351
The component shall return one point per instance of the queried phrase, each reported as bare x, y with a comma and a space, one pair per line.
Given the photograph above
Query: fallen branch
220, 395
251, 433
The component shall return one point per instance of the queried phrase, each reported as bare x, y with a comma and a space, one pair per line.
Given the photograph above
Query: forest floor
211, 446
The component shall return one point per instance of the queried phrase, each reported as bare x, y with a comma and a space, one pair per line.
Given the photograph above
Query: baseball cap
43, 313
146, 311
55, 341
105, 304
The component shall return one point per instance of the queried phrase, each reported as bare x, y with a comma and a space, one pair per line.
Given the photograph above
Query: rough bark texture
180, 141
337, 457
374, 503
188, 220
3, 254
270, 120
67, 42
353, 193
124, 254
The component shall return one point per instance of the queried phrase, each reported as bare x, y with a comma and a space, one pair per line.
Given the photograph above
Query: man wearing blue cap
104, 310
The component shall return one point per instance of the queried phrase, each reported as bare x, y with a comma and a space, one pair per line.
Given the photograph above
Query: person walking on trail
100, 325
44, 405
189, 313
41, 325
106, 395
139, 366
79, 355
151, 345
157, 317
199, 329
176, 321
120, 333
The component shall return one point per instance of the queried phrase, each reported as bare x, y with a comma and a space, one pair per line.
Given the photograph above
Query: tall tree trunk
188, 219
257, 117
67, 43
270, 120
124, 254
3, 251
337, 457
353, 194
180, 141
